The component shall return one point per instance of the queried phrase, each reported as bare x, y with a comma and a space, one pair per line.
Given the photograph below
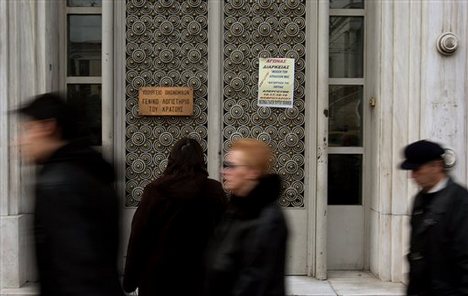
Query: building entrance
215, 47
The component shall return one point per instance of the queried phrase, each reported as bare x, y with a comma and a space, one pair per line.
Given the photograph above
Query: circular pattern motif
166, 55
237, 57
292, 29
264, 29
138, 166
138, 56
166, 28
194, 28
236, 112
138, 138
194, 56
138, 27
237, 29
237, 84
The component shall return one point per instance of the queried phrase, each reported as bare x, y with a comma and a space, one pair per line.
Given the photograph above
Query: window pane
345, 121
343, 4
86, 99
344, 179
84, 45
346, 47
84, 3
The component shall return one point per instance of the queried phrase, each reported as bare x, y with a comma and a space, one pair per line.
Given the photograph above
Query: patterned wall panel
166, 45
266, 28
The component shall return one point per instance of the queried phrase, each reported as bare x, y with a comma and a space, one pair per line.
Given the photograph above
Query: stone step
343, 283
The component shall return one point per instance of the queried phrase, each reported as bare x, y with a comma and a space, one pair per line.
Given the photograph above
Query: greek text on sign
275, 82
166, 101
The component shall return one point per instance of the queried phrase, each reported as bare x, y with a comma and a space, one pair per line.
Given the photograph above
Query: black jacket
438, 255
170, 230
247, 254
76, 224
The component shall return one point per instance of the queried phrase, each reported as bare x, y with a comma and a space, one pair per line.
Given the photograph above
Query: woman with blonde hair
247, 253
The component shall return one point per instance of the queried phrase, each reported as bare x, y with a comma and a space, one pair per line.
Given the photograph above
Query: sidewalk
339, 283
343, 283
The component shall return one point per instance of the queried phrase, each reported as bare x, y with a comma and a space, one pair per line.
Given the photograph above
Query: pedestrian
248, 250
438, 256
76, 209
171, 226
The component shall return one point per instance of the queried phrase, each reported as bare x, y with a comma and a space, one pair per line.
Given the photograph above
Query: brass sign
166, 101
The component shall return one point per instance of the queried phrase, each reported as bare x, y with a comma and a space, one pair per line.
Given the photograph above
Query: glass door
345, 234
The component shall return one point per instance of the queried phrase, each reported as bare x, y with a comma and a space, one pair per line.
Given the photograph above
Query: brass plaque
166, 101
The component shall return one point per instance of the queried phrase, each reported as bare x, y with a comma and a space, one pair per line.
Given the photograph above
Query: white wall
28, 66
420, 95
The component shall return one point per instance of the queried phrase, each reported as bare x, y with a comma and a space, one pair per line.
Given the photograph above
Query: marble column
29, 42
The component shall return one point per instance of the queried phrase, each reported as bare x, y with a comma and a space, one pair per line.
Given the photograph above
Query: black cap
421, 152
52, 106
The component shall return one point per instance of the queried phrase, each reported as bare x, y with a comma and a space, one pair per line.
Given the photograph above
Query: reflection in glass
86, 100
345, 120
346, 47
84, 45
84, 3
344, 179
344, 4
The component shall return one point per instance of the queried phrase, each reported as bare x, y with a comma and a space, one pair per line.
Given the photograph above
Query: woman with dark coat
247, 254
171, 227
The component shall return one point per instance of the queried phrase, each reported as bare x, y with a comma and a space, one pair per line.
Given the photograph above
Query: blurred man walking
76, 208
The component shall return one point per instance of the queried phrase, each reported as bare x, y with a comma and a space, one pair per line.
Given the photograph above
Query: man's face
32, 139
428, 175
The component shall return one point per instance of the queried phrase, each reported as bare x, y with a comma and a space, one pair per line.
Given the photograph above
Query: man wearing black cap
76, 209
438, 257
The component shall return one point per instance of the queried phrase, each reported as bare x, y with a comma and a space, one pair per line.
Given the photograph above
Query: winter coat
170, 230
76, 224
247, 254
438, 255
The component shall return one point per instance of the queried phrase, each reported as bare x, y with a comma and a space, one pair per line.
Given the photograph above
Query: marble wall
420, 94
28, 66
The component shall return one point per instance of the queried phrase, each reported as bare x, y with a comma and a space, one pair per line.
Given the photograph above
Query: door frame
367, 151
322, 139
316, 101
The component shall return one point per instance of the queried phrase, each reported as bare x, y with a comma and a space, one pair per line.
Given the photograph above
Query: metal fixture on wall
447, 43
450, 158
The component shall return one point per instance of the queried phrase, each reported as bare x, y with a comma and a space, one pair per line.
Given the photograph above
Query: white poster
275, 82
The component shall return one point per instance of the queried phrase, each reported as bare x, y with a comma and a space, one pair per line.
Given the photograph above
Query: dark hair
186, 158
53, 106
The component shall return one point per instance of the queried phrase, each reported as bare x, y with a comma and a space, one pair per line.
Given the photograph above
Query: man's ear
47, 127
441, 165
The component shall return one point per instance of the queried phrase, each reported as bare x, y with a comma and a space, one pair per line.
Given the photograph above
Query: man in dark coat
438, 255
76, 208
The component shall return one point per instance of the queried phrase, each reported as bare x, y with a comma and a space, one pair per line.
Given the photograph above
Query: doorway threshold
343, 283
